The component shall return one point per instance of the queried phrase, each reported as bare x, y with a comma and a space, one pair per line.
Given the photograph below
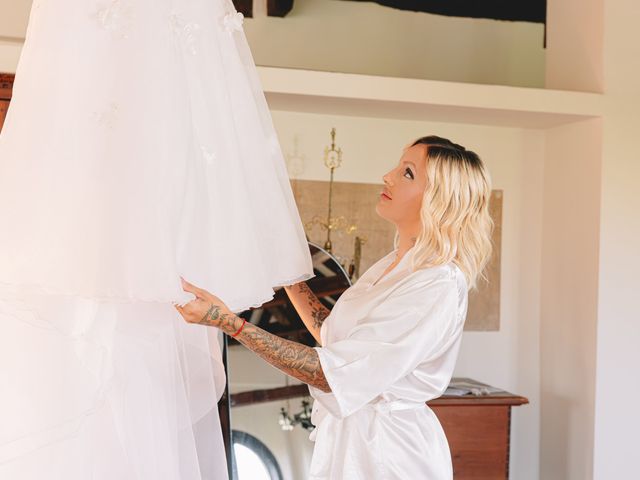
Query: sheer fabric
138, 148
102, 390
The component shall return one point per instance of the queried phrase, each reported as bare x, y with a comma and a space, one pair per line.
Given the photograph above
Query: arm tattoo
318, 311
213, 314
295, 359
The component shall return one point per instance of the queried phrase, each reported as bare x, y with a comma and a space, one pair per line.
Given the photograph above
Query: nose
386, 178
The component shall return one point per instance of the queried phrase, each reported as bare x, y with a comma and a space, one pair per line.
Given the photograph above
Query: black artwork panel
245, 7
534, 11
517, 10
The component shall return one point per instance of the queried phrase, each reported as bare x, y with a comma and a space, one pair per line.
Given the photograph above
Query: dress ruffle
138, 148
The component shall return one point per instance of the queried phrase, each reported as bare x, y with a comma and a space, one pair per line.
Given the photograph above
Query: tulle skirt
138, 148
101, 391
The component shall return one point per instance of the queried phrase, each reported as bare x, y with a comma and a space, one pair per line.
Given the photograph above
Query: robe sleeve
415, 324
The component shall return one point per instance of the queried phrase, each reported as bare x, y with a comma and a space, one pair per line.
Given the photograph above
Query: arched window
253, 459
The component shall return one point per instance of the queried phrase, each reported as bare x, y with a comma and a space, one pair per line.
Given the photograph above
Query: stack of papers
459, 388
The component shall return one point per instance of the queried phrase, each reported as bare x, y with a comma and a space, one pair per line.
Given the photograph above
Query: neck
406, 240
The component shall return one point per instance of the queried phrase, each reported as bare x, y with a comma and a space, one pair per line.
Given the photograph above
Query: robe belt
396, 405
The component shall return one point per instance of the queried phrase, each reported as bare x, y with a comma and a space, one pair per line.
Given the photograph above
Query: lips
385, 195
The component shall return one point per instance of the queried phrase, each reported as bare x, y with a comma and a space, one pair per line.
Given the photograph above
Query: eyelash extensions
407, 170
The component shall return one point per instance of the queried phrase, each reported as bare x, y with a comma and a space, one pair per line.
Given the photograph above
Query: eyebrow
414, 165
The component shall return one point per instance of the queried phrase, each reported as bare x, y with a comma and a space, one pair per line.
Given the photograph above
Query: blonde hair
456, 225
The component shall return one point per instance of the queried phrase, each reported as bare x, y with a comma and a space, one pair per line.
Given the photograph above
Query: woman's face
404, 186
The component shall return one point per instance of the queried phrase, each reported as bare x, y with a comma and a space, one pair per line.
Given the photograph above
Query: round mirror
279, 317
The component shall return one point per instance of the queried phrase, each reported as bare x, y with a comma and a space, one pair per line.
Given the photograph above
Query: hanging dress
138, 148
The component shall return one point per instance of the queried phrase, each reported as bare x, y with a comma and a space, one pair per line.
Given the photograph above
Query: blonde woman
391, 341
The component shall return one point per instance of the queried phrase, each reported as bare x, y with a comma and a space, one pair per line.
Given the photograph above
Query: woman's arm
294, 359
311, 310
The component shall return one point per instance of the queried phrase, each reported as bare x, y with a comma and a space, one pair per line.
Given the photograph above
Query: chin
382, 213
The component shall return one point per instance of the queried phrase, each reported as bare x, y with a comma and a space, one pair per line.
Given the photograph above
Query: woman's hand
294, 359
206, 309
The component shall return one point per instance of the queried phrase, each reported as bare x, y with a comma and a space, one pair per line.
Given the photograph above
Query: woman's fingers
181, 311
188, 312
196, 310
190, 288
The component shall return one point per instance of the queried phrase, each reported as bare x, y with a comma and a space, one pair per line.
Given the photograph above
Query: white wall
9, 55
569, 299
618, 356
574, 53
570, 278
510, 357
14, 15
595, 46
362, 37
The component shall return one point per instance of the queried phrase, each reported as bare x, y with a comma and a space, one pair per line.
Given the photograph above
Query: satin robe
389, 345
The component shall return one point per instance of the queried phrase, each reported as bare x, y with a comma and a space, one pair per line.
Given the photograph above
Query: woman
391, 341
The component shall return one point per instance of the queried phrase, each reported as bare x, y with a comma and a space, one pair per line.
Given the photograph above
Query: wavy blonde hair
456, 225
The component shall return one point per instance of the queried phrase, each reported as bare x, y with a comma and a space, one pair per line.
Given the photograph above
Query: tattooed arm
295, 359
311, 310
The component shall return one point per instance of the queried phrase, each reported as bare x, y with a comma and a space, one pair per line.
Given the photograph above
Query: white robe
387, 348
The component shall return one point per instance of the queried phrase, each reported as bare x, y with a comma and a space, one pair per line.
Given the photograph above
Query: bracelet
240, 329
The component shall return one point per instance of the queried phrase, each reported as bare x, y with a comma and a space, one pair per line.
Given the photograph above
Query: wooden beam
302, 390
268, 395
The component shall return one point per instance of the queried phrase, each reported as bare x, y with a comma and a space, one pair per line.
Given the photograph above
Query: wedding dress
138, 148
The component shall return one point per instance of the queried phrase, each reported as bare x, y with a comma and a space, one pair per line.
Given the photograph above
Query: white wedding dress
138, 148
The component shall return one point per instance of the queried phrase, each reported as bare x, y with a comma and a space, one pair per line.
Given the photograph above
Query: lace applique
186, 31
232, 22
209, 156
116, 17
107, 118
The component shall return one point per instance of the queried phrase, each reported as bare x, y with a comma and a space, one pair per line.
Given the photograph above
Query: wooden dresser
6, 87
478, 431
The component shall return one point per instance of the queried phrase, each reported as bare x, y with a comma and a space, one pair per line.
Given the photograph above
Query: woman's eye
408, 173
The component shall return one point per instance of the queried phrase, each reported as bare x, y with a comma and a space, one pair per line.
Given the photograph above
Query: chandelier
333, 161
303, 418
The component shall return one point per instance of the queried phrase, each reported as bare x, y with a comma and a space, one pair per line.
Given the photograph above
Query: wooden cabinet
478, 431
4, 106
6, 87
